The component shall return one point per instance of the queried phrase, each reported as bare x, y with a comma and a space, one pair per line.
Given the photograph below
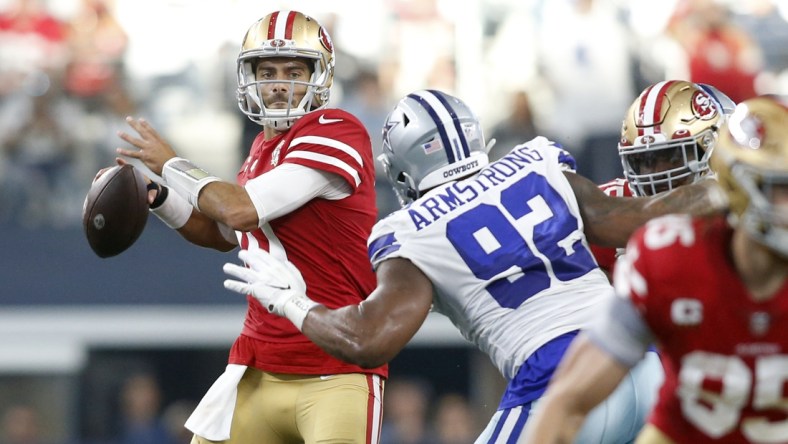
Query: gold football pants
288, 409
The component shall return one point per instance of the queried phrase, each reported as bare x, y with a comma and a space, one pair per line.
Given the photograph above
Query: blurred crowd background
119, 350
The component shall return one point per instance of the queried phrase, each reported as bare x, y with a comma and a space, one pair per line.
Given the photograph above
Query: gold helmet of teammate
668, 134
751, 162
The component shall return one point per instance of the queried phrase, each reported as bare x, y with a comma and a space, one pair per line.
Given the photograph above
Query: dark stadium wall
56, 266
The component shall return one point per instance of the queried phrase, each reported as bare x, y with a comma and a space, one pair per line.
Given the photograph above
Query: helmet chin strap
489, 145
408, 191
412, 190
278, 124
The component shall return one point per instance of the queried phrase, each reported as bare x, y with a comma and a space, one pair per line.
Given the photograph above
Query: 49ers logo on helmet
647, 140
325, 39
702, 106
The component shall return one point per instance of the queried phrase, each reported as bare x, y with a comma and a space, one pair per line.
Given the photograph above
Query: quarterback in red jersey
306, 194
713, 293
667, 137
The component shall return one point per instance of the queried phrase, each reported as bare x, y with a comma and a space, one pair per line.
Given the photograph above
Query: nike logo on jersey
322, 120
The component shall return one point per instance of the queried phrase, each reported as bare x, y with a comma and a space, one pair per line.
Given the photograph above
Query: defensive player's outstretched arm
368, 334
371, 333
610, 221
585, 377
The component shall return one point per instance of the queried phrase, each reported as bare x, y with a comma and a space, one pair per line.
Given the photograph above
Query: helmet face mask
668, 136
652, 169
751, 162
285, 34
404, 185
430, 138
765, 191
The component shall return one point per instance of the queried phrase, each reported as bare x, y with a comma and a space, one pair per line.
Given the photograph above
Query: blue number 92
530, 236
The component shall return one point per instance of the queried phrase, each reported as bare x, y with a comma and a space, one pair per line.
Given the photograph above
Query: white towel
214, 414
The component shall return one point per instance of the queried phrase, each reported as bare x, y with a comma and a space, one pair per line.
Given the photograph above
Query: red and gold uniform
725, 355
332, 258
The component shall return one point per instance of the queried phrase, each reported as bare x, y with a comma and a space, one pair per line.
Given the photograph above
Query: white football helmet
751, 162
430, 138
669, 133
285, 34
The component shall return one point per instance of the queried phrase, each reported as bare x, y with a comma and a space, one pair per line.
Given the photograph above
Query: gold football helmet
668, 134
751, 162
285, 34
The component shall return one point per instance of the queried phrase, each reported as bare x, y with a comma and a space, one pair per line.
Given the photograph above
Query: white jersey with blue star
505, 251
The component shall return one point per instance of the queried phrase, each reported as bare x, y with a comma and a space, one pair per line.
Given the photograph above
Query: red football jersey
606, 256
725, 355
325, 239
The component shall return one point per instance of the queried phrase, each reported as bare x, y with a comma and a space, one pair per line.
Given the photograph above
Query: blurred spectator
405, 419
97, 44
40, 125
516, 128
764, 22
368, 100
443, 74
455, 420
37, 145
20, 425
31, 40
95, 80
142, 422
420, 28
589, 72
718, 51
175, 416
166, 40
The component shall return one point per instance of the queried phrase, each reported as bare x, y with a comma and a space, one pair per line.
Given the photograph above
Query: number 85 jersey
505, 252
725, 355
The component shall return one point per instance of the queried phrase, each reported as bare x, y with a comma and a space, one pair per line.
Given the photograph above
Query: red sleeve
606, 256
334, 141
631, 275
617, 188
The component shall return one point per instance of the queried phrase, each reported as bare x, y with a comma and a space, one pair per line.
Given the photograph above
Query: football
115, 210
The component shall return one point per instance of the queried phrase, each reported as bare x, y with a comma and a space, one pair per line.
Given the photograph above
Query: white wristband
175, 211
186, 179
296, 309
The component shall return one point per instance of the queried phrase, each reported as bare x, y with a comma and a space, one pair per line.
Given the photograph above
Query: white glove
277, 284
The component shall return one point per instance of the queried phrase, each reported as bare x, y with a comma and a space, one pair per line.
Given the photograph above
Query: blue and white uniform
510, 266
